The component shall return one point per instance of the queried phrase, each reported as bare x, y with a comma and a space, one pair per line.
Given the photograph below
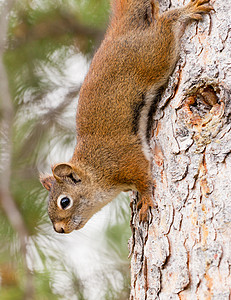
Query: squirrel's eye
64, 202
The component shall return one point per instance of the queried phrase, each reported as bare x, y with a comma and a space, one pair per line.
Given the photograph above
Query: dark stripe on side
151, 113
137, 108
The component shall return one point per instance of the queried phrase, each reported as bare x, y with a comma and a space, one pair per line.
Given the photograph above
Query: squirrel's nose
59, 227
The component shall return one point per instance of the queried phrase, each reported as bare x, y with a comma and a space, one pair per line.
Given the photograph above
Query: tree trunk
185, 250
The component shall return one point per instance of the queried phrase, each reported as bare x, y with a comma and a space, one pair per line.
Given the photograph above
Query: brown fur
135, 60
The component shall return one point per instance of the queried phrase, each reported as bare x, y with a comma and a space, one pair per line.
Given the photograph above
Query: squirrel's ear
64, 170
47, 181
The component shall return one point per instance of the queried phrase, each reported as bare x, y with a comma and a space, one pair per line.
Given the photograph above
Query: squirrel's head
73, 197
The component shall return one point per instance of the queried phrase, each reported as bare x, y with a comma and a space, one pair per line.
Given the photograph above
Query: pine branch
7, 202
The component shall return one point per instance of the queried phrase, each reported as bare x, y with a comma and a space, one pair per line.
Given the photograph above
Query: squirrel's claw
144, 205
144, 213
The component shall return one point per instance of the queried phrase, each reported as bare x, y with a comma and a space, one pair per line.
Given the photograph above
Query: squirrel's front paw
144, 205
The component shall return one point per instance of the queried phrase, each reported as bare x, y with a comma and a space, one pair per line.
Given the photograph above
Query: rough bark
185, 250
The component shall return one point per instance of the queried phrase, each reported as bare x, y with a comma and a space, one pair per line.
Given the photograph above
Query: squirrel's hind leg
132, 14
154, 11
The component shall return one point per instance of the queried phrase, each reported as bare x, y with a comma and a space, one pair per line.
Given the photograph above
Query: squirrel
138, 54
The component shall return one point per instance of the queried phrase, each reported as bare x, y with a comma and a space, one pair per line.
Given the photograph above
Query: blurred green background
46, 47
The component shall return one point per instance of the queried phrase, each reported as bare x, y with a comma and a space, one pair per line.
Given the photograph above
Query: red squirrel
137, 56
